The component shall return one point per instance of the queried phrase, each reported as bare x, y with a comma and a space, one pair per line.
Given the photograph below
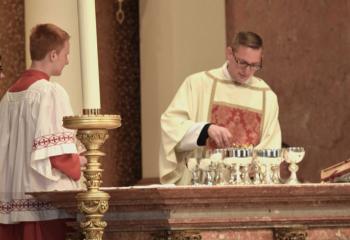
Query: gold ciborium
93, 203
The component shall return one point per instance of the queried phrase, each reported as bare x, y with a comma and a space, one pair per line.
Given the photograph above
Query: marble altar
301, 211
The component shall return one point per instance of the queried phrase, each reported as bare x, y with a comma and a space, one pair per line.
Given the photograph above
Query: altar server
36, 152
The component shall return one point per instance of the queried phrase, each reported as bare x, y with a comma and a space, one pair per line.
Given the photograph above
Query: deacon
223, 107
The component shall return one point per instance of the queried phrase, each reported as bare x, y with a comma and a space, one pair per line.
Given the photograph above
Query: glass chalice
193, 166
293, 155
242, 157
269, 162
216, 167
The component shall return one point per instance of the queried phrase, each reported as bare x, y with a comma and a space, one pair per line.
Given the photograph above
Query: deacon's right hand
221, 136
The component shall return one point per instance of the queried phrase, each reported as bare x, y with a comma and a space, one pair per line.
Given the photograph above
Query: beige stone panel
177, 38
63, 13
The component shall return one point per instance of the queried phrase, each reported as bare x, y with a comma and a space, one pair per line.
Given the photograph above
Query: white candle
88, 54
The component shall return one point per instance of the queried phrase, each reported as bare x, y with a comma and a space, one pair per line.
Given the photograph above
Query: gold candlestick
93, 203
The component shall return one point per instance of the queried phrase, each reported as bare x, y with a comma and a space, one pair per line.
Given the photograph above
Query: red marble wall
118, 55
306, 62
11, 41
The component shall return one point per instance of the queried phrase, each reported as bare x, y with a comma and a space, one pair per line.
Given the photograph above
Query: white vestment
31, 131
249, 111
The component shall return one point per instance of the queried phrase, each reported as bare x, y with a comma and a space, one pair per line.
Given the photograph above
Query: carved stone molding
290, 233
177, 235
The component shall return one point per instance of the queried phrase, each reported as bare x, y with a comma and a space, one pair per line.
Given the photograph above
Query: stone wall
11, 41
306, 62
118, 50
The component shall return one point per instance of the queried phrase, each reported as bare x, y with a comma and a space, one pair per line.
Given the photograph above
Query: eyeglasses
243, 64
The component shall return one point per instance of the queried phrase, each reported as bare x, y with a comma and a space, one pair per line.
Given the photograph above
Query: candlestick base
93, 203
91, 111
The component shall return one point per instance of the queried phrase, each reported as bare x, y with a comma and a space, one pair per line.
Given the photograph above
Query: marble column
177, 38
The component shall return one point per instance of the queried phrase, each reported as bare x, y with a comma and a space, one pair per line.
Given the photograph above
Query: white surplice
31, 131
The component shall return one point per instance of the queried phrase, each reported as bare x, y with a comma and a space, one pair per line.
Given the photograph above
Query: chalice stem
293, 179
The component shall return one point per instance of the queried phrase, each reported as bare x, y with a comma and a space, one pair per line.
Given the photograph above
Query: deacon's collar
229, 77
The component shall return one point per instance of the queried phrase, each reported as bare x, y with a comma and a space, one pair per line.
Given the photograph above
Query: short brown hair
45, 38
247, 39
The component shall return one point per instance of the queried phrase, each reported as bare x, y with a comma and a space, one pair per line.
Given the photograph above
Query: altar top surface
202, 207
167, 194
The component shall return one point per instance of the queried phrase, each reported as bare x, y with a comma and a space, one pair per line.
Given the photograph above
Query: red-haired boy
36, 152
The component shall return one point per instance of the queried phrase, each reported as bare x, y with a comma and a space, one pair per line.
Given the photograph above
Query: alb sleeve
51, 138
